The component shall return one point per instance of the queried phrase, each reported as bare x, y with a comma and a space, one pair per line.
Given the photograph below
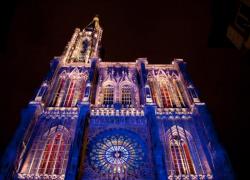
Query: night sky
33, 32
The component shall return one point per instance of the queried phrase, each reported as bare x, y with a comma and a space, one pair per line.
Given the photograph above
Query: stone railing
114, 112
60, 112
39, 176
190, 177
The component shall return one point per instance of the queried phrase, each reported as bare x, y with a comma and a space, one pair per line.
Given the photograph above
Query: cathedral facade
98, 120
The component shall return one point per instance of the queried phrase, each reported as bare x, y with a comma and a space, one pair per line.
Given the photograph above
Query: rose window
116, 152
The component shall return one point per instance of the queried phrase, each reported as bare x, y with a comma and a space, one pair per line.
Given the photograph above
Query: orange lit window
165, 96
181, 157
180, 93
189, 159
153, 92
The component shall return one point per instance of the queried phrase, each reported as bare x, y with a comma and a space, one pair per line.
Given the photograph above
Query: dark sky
33, 32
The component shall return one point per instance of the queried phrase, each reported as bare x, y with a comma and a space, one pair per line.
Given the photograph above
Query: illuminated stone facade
98, 120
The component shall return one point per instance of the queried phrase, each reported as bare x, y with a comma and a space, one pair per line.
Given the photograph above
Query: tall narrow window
153, 89
178, 159
58, 90
48, 154
68, 89
108, 93
80, 88
180, 154
70, 93
53, 159
189, 159
179, 92
165, 95
126, 95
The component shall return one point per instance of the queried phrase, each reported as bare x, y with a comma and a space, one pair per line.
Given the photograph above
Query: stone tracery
117, 153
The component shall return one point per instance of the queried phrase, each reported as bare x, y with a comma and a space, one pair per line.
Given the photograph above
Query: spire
94, 24
96, 21
84, 45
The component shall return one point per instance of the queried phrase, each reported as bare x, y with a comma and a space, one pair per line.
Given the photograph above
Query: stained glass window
53, 156
68, 91
59, 87
108, 93
48, 155
153, 88
179, 92
165, 95
181, 156
116, 153
167, 92
126, 95
189, 159
177, 159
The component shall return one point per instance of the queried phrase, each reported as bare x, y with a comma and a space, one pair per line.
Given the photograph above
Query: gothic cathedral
97, 120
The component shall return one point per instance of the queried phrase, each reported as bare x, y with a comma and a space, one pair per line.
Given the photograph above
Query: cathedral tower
98, 120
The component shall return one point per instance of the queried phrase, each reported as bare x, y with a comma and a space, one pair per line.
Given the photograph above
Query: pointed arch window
58, 92
108, 95
53, 156
48, 154
68, 90
165, 95
168, 92
126, 95
152, 85
182, 162
179, 93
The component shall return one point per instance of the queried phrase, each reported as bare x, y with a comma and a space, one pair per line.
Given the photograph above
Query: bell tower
84, 44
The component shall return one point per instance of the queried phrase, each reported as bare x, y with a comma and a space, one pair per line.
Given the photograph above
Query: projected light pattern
116, 152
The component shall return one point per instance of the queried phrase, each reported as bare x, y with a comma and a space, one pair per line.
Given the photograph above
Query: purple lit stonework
99, 120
